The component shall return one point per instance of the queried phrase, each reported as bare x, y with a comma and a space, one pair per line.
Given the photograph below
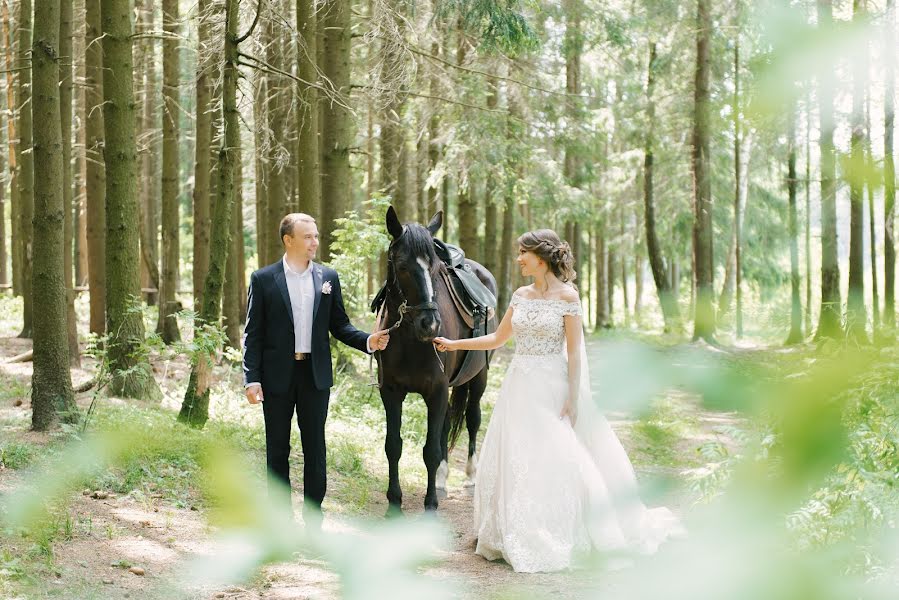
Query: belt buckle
300, 355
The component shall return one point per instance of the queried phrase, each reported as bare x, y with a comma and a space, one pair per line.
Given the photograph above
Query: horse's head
411, 265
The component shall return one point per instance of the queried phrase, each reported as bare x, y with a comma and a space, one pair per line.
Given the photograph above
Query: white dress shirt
302, 300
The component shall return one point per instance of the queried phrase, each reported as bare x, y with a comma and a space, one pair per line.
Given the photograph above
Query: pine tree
51, 384
132, 375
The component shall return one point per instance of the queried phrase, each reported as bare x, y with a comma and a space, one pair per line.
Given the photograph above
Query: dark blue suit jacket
269, 336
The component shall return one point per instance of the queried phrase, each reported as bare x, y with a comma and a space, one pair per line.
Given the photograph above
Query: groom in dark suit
292, 306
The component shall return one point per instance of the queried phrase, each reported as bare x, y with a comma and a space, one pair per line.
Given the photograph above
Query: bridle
394, 286
403, 309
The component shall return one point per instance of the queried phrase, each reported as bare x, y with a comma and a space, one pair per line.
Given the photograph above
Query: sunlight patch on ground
142, 550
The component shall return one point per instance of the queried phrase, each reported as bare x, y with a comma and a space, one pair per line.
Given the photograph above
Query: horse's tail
458, 405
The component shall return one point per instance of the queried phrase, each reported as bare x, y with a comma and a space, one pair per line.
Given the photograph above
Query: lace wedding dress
546, 493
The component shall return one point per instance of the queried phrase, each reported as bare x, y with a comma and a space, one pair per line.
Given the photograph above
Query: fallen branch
24, 357
86, 385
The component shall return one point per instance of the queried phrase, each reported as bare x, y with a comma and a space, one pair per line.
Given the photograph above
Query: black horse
419, 304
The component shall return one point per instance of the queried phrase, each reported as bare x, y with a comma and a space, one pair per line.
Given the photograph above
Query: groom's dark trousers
311, 407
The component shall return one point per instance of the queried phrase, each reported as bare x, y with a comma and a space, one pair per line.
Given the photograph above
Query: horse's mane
419, 242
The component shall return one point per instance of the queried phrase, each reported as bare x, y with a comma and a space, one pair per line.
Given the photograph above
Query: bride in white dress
553, 481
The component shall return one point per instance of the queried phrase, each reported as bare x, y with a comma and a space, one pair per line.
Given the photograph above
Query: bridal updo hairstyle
548, 247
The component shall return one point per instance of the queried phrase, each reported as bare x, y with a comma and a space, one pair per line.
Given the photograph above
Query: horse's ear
394, 227
436, 222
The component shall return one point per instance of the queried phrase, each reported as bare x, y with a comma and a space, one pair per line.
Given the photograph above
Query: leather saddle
471, 297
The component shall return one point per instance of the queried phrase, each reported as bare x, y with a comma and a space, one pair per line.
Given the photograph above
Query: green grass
164, 457
16, 455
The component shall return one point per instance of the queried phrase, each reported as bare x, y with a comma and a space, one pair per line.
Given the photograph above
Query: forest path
106, 536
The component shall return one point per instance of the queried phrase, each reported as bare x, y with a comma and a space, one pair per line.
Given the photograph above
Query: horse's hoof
471, 467
394, 511
441, 494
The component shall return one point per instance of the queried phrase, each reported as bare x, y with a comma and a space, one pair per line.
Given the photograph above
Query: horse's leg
458, 398
393, 446
443, 469
476, 389
432, 453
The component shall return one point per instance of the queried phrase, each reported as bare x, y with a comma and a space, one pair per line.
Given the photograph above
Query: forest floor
152, 513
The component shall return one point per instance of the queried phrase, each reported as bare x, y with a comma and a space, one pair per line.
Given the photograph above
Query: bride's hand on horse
444, 344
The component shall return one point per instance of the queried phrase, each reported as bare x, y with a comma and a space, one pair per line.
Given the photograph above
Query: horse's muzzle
427, 327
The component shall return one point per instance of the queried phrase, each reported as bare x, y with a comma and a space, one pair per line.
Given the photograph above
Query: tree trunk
5, 116
743, 148
889, 174
231, 294
667, 299
468, 220
261, 186
65, 111
795, 335
829, 321
309, 184
624, 266
3, 257
739, 178
467, 206
572, 51
195, 408
392, 129
491, 254
506, 263
421, 172
871, 182
206, 63
611, 269
337, 133
132, 375
704, 312
95, 181
434, 130
507, 250
148, 150
638, 285
808, 215
25, 161
403, 197
602, 317
602, 294
167, 325
51, 384
856, 318
277, 101
9, 66
80, 167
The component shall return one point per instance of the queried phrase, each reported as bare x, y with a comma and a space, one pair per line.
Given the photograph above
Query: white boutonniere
326, 287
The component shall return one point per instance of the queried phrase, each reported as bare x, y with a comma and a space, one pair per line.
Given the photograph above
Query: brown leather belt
301, 355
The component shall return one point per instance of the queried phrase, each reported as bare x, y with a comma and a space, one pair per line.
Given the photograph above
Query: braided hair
546, 245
